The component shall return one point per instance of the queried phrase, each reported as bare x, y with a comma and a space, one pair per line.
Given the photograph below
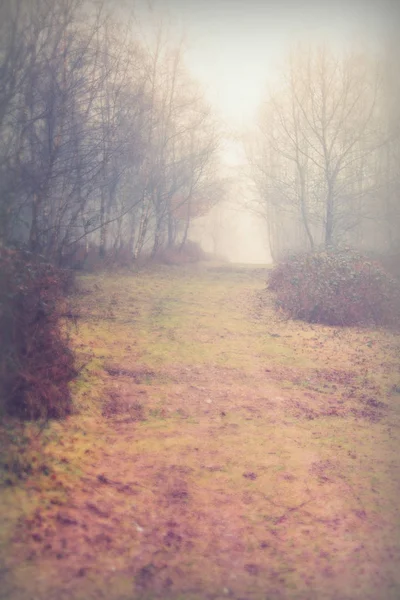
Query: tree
318, 143
104, 139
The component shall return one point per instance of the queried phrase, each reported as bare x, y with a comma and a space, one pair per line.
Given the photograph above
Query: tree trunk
103, 228
329, 224
33, 234
142, 231
171, 231
157, 240
187, 225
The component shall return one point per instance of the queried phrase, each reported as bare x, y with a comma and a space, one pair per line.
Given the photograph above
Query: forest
325, 156
105, 140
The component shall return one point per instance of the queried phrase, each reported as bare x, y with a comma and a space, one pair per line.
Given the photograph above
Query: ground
218, 450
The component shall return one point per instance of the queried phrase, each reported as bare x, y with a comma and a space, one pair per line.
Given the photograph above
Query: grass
217, 451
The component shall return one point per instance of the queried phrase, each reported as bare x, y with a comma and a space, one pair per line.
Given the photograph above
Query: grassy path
219, 452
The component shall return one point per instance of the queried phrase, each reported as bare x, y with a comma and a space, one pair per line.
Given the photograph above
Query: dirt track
220, 451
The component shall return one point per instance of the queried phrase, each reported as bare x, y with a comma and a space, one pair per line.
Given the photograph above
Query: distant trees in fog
325, 158
103, 137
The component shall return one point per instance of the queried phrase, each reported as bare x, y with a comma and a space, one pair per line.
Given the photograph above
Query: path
221, 452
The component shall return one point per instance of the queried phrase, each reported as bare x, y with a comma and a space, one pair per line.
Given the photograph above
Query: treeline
104, 138
325, 159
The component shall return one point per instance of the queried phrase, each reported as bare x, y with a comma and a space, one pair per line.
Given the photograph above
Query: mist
238, 53
233, 234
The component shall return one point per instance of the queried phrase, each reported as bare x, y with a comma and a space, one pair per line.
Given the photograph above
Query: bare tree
101, 133
319, 139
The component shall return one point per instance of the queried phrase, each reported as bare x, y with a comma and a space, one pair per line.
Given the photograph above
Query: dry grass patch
220, 451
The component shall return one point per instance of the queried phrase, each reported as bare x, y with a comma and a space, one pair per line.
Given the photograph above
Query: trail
220, 451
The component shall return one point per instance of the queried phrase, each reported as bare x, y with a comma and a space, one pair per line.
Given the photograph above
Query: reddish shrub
119, 258
190, 252
89, 259
83, 257
36, 363
338, 287
391, 263
75, 257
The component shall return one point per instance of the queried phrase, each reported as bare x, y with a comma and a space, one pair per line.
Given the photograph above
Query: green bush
336, 287
36, 363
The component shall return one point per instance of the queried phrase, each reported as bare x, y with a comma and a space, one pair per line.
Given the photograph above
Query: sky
236, 48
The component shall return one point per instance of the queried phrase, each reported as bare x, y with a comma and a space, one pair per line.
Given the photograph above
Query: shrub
336, 287
391, 263
84, 258
190, 252
88, 258
36, 363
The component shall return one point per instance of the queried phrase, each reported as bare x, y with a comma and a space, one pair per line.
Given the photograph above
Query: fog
237, 50
233, 234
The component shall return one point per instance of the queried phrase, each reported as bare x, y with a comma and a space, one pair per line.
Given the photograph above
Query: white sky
235, 46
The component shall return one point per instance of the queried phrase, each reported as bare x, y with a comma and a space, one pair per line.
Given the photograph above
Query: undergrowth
336, 287
36, 362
